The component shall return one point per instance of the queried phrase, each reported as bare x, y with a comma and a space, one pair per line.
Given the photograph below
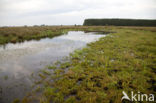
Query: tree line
119, 22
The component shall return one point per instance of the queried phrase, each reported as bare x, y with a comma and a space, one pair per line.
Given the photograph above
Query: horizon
72, 24
71, 12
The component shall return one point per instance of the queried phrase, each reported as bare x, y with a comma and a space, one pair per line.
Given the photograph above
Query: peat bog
124, 60
21, 62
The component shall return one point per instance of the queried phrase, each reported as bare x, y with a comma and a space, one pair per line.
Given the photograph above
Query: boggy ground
121, 61
20, 34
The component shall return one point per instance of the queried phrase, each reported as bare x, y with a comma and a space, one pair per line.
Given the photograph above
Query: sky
70, 12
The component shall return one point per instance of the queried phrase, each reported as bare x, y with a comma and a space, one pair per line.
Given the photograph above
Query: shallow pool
18, 61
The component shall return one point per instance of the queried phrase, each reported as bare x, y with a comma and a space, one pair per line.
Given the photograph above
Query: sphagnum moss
124, 60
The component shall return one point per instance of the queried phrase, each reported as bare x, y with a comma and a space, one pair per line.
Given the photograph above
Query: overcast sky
69, 12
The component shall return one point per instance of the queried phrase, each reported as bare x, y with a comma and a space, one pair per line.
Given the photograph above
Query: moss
124, 60
65, 65
16, 101
52, 67
42, 76
46, 72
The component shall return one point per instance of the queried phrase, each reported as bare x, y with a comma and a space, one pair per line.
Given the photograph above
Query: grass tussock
124, 60
19, 34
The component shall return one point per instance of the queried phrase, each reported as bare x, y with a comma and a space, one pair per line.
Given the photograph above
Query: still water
18, 61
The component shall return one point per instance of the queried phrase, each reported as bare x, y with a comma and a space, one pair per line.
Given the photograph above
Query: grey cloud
30, 12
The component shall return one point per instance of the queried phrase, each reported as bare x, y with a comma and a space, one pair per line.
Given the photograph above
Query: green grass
20, 34
125, 60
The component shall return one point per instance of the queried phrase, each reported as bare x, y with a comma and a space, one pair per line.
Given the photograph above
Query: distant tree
35, 25
42, 24
120, 22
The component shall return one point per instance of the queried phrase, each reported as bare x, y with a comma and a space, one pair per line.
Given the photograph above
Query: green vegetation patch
122, 61
20, 34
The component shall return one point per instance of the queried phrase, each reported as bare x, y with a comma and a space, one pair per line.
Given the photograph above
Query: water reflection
18, 61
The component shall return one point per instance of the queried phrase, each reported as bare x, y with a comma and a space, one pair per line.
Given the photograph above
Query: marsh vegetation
21, 62
123, 60
20, 34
